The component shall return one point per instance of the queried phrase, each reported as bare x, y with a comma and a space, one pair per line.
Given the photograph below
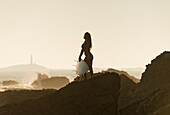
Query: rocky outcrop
152, 95
9, 83
45, 82
134, 79
51, 83
162, 111
128, 85
154, 102
10, 97
97, 96
157, 74
127, 88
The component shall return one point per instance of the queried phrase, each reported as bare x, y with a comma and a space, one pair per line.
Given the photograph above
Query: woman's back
86, 47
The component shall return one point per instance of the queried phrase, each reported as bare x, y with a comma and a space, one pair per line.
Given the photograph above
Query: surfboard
81, 67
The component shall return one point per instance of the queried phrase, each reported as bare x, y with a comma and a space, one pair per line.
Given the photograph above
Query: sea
25, 78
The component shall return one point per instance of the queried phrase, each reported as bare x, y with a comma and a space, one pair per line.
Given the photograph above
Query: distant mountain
28, 72
25, 67
25, 73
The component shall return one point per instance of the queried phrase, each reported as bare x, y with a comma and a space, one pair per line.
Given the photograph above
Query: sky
125, 33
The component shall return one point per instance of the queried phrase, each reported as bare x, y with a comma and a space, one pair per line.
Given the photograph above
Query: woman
86, 47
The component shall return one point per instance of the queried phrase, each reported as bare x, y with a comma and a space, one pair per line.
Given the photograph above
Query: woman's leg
89, 61
91, 72
85, 76
91, 68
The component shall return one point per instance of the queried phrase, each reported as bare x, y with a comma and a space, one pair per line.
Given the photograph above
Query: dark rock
128, 85
157, 74
153, 103
97, 96
153, 93
12, 96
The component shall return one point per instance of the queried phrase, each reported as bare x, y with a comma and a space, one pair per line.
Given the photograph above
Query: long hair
88, 40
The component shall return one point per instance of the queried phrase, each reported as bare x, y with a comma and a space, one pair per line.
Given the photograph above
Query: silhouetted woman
86, 47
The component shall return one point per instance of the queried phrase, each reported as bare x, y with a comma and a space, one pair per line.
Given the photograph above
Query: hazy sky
125, 33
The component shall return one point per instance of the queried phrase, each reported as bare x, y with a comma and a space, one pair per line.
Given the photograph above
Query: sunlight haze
125, 34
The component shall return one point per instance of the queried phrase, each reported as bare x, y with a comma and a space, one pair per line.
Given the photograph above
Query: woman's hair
87, 38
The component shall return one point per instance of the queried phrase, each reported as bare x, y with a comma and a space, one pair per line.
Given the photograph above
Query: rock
97, 96
157, 74
154, 102
162, 111
128, 85
12, 96
45, 82
9, 83
134, 79
153, 93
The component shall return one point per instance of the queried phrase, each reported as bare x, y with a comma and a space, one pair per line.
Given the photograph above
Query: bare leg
85, 76
91, 72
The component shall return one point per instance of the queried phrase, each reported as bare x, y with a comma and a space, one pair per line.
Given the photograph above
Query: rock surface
134, 79
97, 96
45, 82
157, 74
9, 83
128, 85
155, 102
153, 93
51, 83
9, 97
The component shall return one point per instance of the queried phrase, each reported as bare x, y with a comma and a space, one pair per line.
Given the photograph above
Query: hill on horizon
136, 72
25, 67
